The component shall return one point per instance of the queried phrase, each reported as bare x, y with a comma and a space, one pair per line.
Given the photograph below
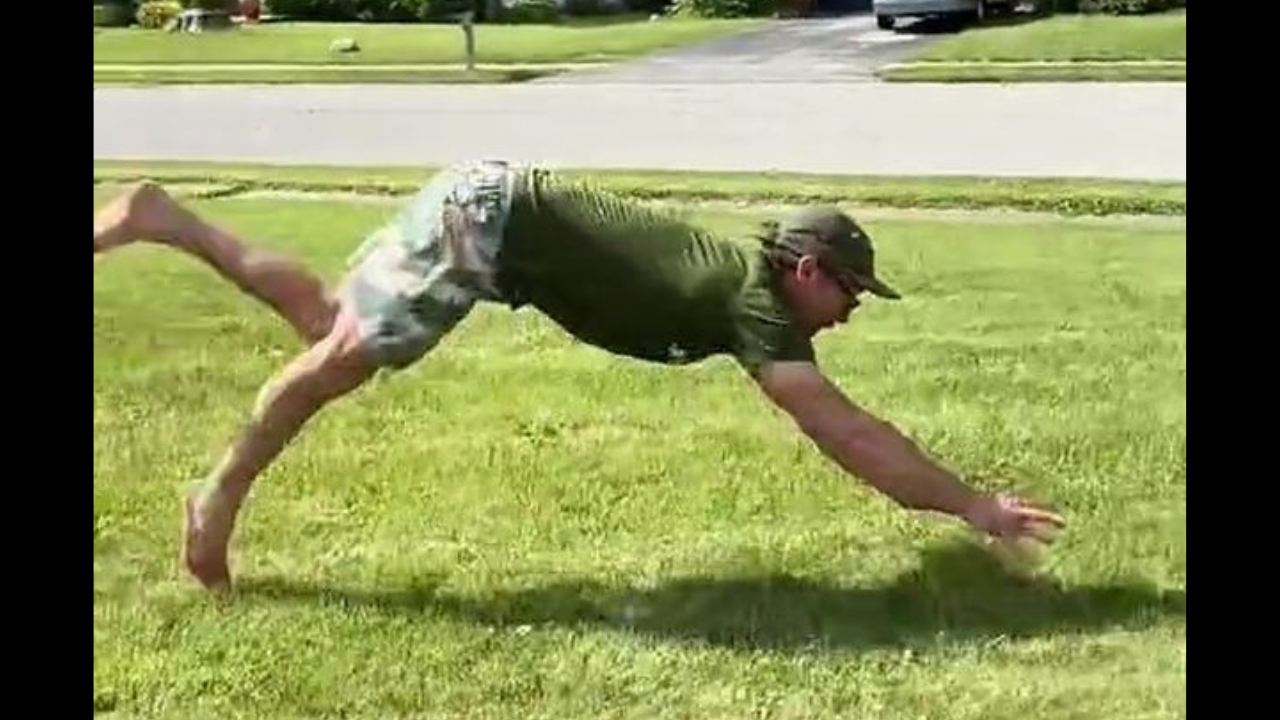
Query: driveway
843, 49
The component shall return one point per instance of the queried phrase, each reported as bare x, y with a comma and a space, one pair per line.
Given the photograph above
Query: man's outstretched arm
875, 451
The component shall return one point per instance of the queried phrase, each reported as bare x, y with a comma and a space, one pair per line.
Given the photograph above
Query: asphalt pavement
840, 49
1127, 130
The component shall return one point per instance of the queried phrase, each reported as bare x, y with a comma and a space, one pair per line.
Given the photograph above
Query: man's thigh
417, 277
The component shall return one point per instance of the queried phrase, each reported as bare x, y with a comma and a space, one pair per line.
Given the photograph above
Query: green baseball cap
841, 246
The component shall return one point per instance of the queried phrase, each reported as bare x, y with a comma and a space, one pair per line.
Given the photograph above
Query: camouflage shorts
416, 278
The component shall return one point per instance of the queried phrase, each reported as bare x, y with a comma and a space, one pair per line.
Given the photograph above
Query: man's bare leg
147, 212
328, 370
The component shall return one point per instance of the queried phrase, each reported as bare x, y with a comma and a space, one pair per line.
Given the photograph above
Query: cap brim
877, 288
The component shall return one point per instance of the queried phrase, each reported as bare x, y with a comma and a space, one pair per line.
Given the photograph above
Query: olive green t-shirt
639, 282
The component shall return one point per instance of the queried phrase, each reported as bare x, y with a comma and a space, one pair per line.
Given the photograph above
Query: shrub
584, 8
1058, 6
534, 12
724, 8
344, 10
156, 14
374, 10
1125, 7
1107, 7
647, 6
112, 14
230, 6
446, 9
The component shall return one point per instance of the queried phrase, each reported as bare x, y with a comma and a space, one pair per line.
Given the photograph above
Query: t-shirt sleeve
765, 338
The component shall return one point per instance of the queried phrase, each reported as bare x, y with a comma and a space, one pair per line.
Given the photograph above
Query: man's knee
329, 369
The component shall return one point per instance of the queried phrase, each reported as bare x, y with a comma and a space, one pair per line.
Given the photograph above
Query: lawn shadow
957, 595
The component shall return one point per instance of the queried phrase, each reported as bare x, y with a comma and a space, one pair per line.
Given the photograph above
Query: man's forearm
863, 444
894, 465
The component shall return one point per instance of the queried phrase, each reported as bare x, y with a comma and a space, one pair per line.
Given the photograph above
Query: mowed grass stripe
1052, 195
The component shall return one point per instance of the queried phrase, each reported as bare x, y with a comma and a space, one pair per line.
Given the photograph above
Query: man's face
819, 297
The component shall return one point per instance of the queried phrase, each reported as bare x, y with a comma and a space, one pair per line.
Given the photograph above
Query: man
614, 274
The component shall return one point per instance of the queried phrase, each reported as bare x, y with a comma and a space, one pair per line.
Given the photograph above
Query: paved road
842, 49
1125, 130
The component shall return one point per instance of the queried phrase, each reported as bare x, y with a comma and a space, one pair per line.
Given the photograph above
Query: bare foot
143, 211
205, 537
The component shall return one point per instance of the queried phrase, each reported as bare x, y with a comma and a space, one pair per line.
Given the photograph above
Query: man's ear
806, 267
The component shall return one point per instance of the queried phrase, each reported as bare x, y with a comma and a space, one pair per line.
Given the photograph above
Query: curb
1018, 64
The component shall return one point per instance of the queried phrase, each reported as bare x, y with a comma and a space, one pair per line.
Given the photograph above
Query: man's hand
1006, 517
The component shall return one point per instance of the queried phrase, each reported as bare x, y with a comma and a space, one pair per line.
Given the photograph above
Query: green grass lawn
521, 526
1071, 37
1074, 197
1078, 46
140, 75
305, 43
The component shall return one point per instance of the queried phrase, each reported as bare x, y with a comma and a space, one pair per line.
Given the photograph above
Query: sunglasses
850, 286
